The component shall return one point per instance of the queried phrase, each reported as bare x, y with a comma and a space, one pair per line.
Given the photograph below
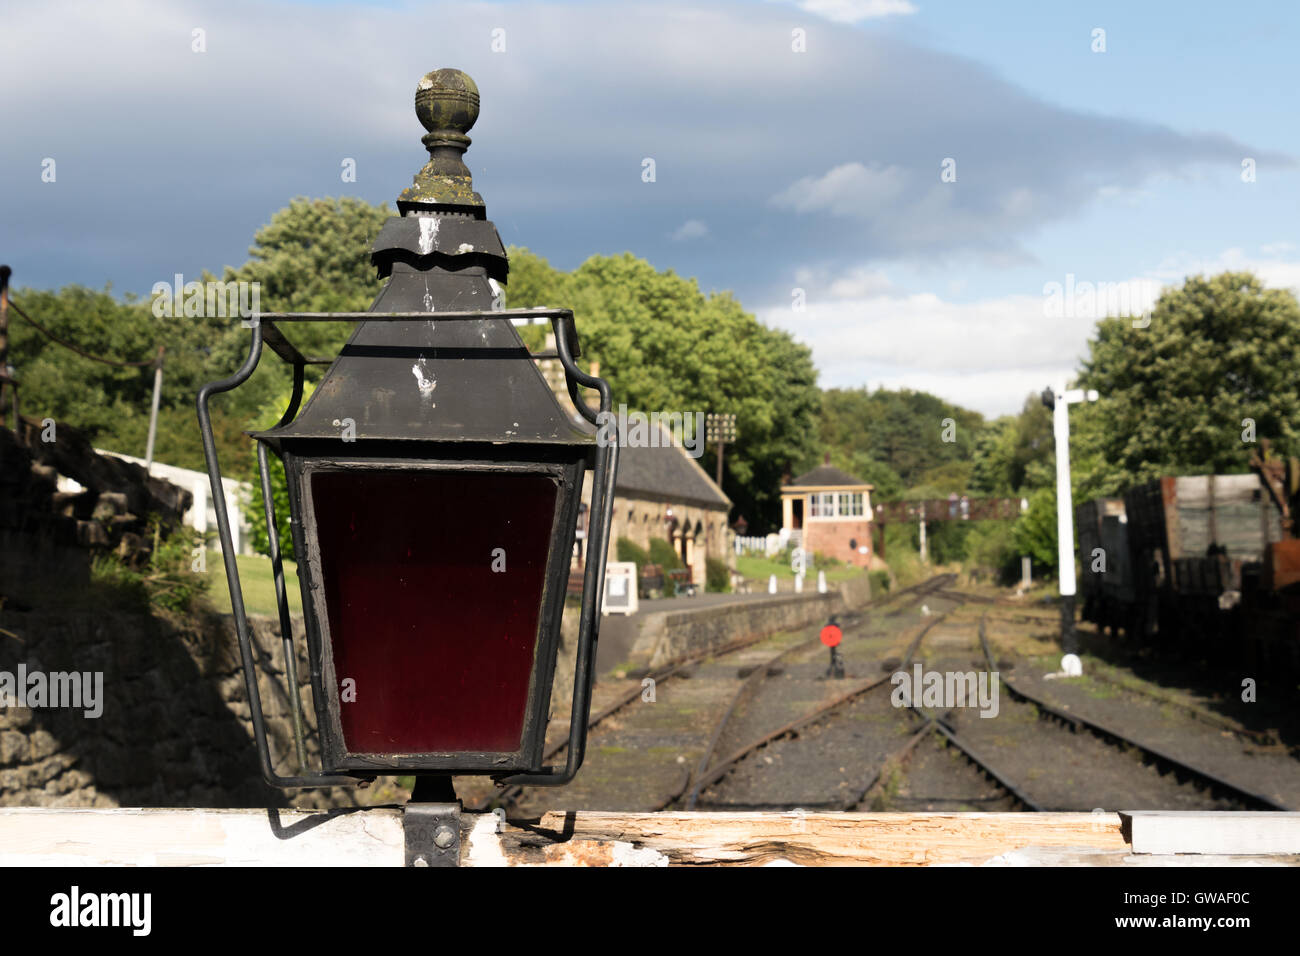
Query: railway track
1167, 762
940, 724
908, 596
712, 769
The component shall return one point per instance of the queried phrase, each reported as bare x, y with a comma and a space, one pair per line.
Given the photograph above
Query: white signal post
1059, 400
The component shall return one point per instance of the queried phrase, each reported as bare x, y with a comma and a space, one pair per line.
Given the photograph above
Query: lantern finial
446, 102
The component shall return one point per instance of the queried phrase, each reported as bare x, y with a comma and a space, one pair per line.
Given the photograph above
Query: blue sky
776, 170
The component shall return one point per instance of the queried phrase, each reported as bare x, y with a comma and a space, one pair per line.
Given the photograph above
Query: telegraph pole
720, 430
5, 378
1059, 400
153, 411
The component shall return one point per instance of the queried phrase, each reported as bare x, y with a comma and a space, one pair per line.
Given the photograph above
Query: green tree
905, 430
666, 346
314, 256
112, 403
1010, 451
1034, 533
1176, 395
254, 510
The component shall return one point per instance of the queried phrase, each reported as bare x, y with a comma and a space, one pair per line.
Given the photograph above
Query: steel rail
1180, 768
725, 766
760, 674
513, 790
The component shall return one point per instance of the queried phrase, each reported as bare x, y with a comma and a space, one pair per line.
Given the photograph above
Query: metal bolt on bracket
432, 834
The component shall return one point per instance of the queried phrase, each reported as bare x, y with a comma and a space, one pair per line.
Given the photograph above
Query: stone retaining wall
666, 636
175, 728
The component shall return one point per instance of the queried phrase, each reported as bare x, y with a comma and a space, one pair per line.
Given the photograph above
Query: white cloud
988, 354
850, 189
875, 114
1270, 266
855, 11
690, 229
1277, 248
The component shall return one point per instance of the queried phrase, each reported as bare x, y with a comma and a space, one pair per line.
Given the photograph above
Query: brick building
827, 511
660, 491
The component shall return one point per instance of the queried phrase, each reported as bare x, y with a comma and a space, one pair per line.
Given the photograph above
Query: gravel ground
938, 776
1175, 720
643, 756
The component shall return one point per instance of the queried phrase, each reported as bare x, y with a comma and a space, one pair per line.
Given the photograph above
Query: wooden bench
682, 581
650, 579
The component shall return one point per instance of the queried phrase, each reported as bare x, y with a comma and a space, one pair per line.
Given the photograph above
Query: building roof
663, 472
827, 476
667, 473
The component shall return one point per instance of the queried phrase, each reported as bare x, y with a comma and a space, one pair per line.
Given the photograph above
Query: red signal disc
831, 635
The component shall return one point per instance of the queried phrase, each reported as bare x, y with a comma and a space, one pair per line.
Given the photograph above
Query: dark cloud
168, 160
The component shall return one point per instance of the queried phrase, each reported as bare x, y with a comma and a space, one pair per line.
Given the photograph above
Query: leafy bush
165, 580
991, 546
717, 576
629, 550
663, 554
254, 510
1035, 532
879, 582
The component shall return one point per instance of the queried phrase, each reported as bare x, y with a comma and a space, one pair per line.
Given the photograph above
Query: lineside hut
828, 511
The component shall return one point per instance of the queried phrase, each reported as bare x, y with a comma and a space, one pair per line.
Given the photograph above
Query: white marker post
1059, 400
925, 557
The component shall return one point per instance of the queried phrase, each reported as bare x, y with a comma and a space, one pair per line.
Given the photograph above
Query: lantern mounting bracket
281, 346
432, 834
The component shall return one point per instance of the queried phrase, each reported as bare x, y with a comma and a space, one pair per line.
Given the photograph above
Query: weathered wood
374, 837
1217, 832
817, 839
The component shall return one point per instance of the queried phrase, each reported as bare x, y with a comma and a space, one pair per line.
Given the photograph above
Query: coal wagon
1195, 543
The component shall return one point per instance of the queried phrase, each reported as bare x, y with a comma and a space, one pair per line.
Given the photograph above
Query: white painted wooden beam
175, 837
1217, 832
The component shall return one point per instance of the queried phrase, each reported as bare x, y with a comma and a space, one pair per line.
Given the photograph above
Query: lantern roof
453, 380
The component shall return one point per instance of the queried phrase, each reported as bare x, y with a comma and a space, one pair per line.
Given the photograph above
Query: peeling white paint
484, 844
428, 234
465, 247
423, 380
628, 854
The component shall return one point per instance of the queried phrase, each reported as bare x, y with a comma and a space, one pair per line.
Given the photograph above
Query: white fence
202, 515
770, 544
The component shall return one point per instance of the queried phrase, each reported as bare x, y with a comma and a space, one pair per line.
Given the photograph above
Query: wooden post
153, 411
5, 273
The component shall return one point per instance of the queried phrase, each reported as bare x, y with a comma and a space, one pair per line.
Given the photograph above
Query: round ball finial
447, 101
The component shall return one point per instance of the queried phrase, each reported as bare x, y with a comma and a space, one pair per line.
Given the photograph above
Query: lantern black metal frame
265, 332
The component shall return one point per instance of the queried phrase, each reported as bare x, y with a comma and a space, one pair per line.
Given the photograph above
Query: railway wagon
1195, 542
1106, 583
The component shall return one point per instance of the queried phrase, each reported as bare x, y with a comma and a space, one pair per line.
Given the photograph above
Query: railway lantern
434, 486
